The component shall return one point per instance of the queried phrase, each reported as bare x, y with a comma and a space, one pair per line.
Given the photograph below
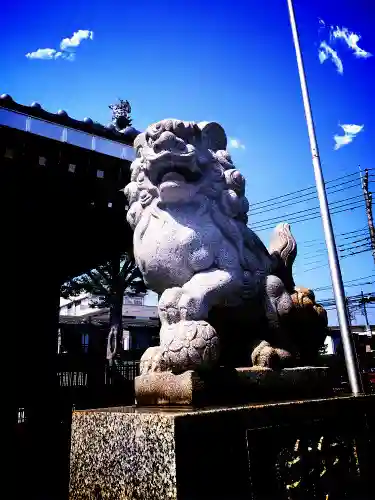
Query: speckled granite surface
122, 455
185, 453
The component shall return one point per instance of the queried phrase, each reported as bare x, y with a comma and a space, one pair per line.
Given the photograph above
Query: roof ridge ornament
121, 114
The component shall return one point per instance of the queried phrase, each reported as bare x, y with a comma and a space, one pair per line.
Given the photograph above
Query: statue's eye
141, 177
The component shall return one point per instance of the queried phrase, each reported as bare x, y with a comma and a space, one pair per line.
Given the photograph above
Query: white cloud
48, 54
69, 56
327, 52
351, 39
342, 140
76, 39
322, 56
350, 131
236, 144
67, 47
43, 54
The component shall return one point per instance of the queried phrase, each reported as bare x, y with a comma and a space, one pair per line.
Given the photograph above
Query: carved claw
192, 308
177, 305
264, 355
169, 311
152, 361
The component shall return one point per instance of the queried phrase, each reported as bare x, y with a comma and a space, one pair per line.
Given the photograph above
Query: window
59, 341
78, 138
108, 147
12, 119
85, 342
133, 301
128, 153
21, 415
126, 340
46, 129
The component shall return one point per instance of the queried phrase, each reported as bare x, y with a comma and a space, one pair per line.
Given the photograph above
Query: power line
321, 289
349, 284
315, 246
341, 257
355, 253
355, 241
343, 253
299, 199
355, 236
367, 245
339, 234
310, 213
350, 300
318, 251
345, 246
308, 209
299, 191
305, 219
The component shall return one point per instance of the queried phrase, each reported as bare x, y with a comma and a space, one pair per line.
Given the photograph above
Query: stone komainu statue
224, 298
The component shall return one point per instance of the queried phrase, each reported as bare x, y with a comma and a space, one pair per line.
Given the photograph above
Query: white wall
79, 306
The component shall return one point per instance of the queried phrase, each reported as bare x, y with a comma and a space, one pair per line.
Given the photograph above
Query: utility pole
364, 308
354, 374
368, 204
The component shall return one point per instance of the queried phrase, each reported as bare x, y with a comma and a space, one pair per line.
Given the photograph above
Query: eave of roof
62, 118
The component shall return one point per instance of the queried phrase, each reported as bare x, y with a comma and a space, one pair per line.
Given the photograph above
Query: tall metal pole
338, 287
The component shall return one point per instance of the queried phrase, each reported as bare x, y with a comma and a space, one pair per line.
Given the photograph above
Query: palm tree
107, 284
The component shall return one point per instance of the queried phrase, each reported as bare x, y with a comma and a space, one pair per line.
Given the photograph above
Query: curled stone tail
283, 248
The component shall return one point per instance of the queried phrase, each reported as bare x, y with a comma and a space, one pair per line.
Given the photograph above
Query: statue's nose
169, 142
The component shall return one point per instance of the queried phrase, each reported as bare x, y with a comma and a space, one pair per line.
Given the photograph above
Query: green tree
108, 283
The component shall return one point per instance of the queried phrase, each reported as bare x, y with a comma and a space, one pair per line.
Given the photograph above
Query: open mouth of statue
177, 175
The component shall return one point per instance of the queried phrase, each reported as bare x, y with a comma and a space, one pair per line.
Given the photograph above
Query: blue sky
229, 62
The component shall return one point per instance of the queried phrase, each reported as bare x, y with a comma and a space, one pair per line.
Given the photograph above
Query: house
79, 318
363, 335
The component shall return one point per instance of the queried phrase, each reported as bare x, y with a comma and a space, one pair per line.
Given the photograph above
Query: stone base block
221, 453
230, 386
167, 388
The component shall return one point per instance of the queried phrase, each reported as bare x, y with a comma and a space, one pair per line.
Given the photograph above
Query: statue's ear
213, 135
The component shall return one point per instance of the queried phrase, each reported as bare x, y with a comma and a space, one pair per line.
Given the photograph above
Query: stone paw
152, 361
189, 345
192, 308
266, 356
169, 311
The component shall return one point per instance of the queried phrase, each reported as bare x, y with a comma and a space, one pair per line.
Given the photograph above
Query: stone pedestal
233, 453
225, 386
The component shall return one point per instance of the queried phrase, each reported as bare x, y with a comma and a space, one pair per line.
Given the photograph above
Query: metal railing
44, 128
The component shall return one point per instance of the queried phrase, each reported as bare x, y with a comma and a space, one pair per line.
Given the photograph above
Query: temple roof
87, 125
